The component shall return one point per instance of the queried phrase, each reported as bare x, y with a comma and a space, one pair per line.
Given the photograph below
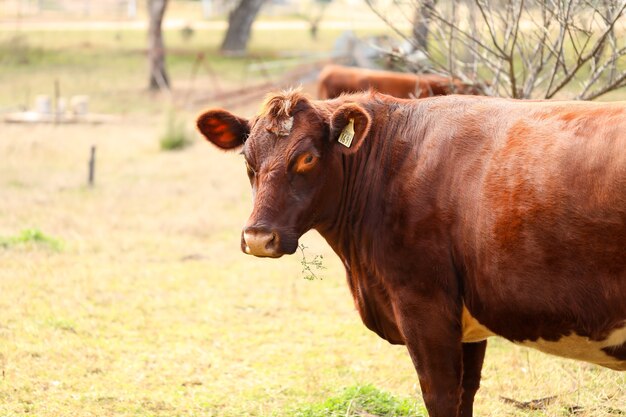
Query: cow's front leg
473, 357
431, 328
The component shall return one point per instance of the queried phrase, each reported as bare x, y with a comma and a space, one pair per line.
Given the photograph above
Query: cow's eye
305, 162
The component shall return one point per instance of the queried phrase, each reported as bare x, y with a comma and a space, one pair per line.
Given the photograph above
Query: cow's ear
349, 125
223, 129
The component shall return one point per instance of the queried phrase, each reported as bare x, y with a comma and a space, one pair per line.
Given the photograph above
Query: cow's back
429, 85
335, 80
399, 85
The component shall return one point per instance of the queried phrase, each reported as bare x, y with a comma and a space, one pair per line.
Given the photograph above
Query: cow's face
293, 161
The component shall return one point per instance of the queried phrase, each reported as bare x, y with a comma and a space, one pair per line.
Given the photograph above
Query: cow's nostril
272, 241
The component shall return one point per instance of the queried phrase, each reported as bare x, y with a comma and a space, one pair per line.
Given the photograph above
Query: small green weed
61, 324
31, 237
176, 135
362, 400
308, 266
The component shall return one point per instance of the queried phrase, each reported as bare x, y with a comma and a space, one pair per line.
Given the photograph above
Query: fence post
92, 166
55, 103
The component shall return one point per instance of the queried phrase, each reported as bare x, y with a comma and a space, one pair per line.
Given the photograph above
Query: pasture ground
148, 308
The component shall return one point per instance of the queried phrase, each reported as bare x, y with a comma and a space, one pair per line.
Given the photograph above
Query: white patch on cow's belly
584, 349
572, 346
473, 330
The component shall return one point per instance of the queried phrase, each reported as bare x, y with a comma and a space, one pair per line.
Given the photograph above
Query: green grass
31, 237
111, 66
362, 400
108, 66
176, 135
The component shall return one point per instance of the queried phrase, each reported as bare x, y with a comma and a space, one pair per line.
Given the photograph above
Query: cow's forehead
272, 128
279, 108
279, 127
269, 136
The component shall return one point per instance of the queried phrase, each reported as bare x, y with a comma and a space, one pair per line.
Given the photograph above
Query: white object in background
206, 8
132, 9
79, 105
43, 104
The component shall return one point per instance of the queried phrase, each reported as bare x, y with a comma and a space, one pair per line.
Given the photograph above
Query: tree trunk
239, 26
156, 50
421, 22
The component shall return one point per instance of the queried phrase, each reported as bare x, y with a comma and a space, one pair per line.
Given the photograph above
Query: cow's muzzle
259, 241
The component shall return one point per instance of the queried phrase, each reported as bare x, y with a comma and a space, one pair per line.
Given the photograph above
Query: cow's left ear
223, 129
349, 125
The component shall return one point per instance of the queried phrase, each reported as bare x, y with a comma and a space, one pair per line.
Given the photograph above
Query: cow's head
293, 159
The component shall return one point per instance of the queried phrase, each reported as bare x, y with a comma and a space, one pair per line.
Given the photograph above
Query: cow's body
458, 218
523, 203
335, 80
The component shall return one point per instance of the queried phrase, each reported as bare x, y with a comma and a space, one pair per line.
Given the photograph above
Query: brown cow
457, 218
335, 80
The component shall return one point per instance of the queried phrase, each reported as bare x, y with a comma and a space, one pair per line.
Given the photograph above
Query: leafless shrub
518, 48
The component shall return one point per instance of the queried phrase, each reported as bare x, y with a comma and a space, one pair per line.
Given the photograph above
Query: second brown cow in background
336, 79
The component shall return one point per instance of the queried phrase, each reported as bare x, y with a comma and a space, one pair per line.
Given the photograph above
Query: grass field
110, 65
132, 298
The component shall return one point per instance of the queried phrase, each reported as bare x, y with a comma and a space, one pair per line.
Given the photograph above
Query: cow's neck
369, 192
370, 182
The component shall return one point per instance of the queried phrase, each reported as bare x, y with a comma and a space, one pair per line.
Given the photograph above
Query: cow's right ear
223, 129
349, 125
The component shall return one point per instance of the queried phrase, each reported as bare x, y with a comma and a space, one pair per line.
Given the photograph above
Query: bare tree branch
618, 83
523, 48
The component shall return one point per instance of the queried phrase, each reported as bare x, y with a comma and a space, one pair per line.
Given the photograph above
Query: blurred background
123, 290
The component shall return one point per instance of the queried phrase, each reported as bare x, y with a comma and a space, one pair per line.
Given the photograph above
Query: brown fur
514, 210
335, 80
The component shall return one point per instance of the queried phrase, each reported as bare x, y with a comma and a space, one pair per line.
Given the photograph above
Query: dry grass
150, 309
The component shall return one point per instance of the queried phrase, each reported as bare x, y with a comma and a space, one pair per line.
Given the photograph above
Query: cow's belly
572, 346
584, 349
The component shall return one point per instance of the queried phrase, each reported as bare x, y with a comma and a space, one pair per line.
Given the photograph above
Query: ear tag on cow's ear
347, 134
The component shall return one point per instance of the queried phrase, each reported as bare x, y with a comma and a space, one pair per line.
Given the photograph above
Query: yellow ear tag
347, 134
